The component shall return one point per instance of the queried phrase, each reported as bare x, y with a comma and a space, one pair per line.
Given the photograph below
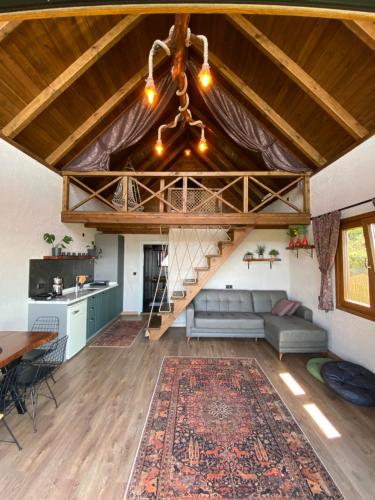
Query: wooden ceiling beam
70, 75
266, 110
7, 27
101, 113
299, 76
364, 30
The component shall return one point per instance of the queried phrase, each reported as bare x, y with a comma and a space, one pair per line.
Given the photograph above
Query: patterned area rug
217, 428
121, 333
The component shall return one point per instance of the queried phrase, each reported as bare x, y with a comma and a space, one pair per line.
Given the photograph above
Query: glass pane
355, 267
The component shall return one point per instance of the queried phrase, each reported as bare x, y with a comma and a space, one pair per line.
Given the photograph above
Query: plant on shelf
292, 232
248, 255
303, 231
260, 251
273, 253
56, 247
93, 250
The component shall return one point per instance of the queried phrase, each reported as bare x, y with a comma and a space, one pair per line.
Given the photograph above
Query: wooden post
125, 188
66, 189
161, 204
184, 194
245, 194
306, 194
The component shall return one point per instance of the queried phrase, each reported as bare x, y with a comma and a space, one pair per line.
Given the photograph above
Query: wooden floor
85, 448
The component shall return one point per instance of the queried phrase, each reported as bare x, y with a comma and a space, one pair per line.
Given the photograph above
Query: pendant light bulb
202, 145
150, 91
159, 148
205, 77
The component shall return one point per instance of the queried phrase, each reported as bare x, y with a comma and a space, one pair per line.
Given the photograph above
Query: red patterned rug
217, 428
121, 333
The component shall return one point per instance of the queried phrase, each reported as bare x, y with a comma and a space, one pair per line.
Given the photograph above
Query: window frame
364, 220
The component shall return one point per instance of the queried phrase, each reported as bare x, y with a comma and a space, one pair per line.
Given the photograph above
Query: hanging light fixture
150, 89
159, 148
184, 113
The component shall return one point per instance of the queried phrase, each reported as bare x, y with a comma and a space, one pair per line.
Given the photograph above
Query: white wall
349, 180
30, 205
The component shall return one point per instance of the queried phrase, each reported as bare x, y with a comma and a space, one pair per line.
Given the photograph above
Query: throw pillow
282, 307
296, 305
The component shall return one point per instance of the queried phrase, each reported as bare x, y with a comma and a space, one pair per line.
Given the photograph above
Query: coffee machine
57, 287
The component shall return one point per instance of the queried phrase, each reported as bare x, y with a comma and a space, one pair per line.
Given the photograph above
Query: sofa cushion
293, 331
264, 300
234, 320
283, 307
296, 304
223, 301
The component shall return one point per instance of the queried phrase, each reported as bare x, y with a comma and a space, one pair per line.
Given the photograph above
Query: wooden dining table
13, 345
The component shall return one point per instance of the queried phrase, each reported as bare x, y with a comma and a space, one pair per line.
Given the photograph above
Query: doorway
154, 293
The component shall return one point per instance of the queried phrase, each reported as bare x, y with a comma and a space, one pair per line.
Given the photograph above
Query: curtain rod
349, 206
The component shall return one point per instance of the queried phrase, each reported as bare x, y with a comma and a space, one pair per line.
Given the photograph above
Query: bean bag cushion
350, 381
314, 366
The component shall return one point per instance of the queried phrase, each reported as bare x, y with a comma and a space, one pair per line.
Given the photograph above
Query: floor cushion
314, 366
350, 381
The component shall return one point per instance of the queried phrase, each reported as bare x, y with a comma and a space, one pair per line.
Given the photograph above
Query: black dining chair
9, 399
42, 324
33, 376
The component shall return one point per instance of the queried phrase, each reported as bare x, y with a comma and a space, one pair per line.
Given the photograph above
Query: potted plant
56, 247
93, 250
248, 255
303, 231
273, 253
292, 233
260, 250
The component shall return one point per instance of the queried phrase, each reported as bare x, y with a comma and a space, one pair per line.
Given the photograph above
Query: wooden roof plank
299, 76
7, 27
100, 113
266, 110
364, 30
70, 75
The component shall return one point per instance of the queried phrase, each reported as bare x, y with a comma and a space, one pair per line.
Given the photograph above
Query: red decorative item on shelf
297, 243
291, 243
305, 242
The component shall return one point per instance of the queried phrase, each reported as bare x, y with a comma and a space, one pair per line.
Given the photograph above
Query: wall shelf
308, 248
261, 260
68, 257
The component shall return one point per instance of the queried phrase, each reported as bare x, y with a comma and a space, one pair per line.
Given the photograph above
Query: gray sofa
247, 314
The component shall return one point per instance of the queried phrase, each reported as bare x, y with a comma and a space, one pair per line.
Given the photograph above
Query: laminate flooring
85, 449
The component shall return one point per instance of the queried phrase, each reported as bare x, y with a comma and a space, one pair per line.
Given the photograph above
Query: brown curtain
244, 129
326, 230
128, 129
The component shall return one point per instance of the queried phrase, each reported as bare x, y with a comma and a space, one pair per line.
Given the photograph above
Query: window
355, 276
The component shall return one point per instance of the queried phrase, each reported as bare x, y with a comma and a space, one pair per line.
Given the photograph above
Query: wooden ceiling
310, 81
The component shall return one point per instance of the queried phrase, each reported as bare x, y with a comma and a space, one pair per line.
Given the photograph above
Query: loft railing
186, 192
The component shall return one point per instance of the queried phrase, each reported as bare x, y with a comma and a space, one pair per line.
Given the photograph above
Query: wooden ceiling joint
6, 28
70, 75
299, 76
364, 30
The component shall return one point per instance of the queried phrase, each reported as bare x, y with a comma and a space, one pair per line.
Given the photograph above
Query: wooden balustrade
175, 198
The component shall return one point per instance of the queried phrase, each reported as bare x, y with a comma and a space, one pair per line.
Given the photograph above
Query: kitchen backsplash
42, 272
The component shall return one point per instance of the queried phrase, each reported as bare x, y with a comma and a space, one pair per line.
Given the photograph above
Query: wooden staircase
160, 323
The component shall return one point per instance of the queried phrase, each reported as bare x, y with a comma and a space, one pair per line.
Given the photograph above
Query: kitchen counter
71, 297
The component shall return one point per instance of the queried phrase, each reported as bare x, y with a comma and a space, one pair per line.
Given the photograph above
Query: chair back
46, 324
8, 390
55, 354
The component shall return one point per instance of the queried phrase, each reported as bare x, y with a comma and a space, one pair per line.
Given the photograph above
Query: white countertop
70, 296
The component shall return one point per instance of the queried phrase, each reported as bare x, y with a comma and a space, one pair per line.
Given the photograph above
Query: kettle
58, 286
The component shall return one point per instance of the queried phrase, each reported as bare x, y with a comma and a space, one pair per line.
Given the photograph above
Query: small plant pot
56, 251
92, 252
